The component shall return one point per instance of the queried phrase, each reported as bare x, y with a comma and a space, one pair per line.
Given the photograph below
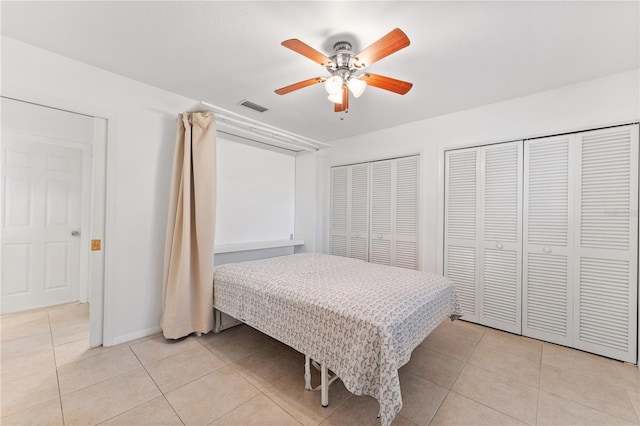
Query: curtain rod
278, 135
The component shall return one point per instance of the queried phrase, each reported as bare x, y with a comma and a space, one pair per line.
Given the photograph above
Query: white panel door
382, 195
462, 241
548, 239
359, 212
41, 200
606, 243
339, 210
500, 243
405, 238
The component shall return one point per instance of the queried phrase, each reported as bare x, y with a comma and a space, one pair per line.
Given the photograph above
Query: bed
358, 319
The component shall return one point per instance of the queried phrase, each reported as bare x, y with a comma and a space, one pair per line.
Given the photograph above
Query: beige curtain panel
188, 269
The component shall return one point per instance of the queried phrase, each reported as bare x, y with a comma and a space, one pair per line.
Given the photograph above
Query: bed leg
325, 385
307, 373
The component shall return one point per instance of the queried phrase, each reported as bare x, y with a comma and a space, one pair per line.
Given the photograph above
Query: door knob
499, 246
75, 233
547, 249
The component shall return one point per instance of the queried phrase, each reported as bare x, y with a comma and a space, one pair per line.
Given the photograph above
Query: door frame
99, 265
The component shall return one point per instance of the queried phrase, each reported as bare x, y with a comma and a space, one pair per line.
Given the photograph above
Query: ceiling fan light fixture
336, 98
356, 86
333, 85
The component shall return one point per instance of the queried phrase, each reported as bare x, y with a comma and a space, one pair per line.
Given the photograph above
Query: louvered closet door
605, 293
548, 238
359, 212
339, 210
501, 249
381, 212
405, 238
462, 187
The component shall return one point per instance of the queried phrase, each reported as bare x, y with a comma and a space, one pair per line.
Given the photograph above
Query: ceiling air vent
253, 106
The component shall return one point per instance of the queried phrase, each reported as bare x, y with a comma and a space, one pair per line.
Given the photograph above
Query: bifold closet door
606, 243
350, 211
462, 227
501, 230
394, 212
483, 231
548, 238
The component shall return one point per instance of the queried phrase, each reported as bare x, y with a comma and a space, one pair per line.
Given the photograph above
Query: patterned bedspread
360, 319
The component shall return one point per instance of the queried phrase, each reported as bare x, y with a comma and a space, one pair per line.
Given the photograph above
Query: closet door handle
499, 246
379, 236
547, 249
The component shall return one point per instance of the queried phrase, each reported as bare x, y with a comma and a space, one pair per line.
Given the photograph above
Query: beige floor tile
104, 400
357, 410
182, 368
153, 350
69, 315
304, 405
498, 392
210, 397
268, 365
518, 368
27, 364
629, 375
236, 343
604, 369
14, 326
86, 372
433, 366
28, 392
71, 333
554, 410
513, 345
259, 411
27, 344
449, 344
634, 397
156, 412
458, 410
45, 414
589, 391
77, 351
420, 398
463, 329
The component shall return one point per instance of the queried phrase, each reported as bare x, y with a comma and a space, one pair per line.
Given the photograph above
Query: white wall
610, 100
142, 128
305, 224
255, 195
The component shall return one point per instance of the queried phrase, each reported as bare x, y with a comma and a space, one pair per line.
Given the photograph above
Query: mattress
360, 319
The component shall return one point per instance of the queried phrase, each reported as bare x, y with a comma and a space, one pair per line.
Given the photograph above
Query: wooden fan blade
387, 83
308, 51
344, 106
390, 43
299, 85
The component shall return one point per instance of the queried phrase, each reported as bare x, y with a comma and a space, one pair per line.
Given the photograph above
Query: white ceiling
462, 54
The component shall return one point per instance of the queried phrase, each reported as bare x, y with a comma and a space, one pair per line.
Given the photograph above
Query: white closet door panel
606, 253
546, 298
500, 263
501, 192
547, 232
359, 211
461, 194
461, 267
500, 289
406, 212
462, 227
339, 209
381, 212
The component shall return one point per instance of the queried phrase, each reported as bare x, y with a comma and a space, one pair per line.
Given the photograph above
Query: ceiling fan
346, 68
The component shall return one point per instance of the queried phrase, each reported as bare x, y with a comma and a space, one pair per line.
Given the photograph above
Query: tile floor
462, 374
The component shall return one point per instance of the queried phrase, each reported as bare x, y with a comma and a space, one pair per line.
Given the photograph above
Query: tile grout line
55, 364
156, 385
